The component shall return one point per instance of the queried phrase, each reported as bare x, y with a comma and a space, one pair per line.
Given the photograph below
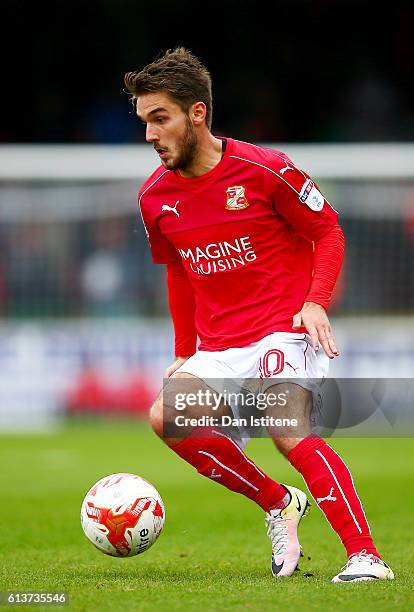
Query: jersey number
272, 363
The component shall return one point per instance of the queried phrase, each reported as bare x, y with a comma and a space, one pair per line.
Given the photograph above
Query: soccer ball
122, 515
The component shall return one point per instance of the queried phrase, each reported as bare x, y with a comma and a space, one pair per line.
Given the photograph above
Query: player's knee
156, 417
161, 417
160, 423
285, 445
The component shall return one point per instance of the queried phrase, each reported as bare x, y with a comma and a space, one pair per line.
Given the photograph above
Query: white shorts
280, 355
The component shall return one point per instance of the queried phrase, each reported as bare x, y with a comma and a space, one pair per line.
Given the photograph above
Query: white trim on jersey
277, 153
249, 161
295, 167
340, 489
141, 196
228, 469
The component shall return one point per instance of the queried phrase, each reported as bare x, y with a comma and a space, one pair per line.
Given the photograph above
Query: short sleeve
162, 250
299, 201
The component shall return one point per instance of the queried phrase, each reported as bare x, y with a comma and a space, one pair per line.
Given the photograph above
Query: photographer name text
228, 421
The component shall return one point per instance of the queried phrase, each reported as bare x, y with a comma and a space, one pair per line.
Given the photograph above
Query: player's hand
174, 366
314, 318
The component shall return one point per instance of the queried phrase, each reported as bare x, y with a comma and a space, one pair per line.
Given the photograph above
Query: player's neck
209, 154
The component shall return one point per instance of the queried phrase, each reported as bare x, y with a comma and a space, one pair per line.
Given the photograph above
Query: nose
150, 134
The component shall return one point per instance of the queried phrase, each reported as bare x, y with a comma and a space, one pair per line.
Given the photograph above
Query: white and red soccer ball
122, 515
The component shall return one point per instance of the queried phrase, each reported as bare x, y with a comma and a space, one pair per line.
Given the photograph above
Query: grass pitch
213, 553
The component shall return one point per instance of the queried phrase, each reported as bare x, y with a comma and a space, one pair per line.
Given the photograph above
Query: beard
186, 149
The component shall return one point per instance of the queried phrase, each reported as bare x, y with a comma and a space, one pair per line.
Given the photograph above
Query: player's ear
198, 113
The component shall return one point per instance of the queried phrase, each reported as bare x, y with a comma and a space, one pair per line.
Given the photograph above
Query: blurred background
84, 327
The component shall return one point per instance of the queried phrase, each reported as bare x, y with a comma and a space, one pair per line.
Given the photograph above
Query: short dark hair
179, 73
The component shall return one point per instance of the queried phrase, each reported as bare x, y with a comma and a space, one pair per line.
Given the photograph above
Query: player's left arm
296, 198
328, 257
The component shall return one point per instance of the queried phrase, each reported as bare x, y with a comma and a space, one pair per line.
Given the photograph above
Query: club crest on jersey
311, 196
236, 198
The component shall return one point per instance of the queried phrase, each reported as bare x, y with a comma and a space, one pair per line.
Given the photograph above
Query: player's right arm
180, 293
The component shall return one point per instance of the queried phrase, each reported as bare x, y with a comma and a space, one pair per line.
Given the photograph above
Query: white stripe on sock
340, 489
356, 492
228, 469
258, 470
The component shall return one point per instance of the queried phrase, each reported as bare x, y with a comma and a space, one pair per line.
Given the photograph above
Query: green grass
213, 553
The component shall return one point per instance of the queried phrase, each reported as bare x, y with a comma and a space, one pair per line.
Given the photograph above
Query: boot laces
361, 557
278, 533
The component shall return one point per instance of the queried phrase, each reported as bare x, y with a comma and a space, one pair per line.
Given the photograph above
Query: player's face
169, 129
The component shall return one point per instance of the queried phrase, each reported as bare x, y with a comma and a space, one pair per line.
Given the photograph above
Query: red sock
331, 485
218, 457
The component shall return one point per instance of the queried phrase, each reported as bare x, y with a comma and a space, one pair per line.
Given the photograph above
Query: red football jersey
244, 233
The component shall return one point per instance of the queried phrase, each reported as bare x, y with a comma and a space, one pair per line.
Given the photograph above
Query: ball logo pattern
122, 515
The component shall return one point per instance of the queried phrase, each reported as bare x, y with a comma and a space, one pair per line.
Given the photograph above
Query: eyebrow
156, 110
